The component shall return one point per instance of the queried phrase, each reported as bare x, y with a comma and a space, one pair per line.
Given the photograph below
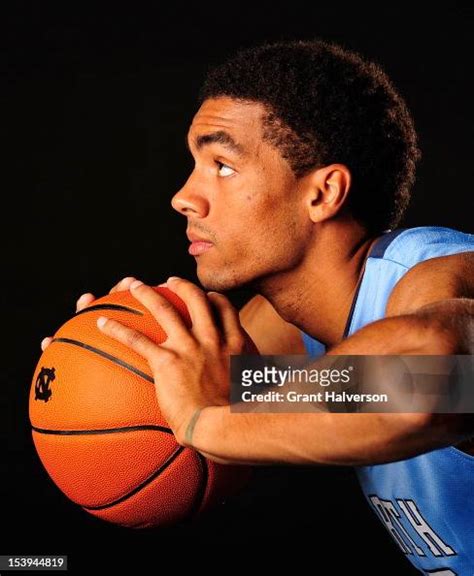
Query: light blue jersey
426, 502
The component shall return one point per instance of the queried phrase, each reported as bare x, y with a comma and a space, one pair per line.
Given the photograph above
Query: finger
164, 313
230, 322
133, 339
204, 325
84, 301
46, 342
123, 285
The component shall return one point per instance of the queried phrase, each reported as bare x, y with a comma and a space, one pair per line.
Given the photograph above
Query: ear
327, 190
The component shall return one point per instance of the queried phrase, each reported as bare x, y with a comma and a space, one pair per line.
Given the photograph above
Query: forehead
219, 118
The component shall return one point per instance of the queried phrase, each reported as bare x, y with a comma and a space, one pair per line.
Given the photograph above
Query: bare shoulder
268, 330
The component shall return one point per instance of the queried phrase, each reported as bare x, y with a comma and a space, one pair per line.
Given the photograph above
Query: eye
220, 166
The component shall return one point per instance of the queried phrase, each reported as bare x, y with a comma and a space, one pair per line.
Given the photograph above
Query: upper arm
271, 334
448, 281
436, 279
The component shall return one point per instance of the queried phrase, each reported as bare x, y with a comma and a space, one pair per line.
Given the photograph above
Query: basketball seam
109, 307
103, 431
145, 483
113, 359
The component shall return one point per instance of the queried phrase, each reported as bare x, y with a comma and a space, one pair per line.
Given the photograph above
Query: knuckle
236, 343
135, 339
171, 358
163, 305
209, 341
167, 357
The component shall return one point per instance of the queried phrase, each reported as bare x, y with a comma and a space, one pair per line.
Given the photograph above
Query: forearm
319, 438
445, 327
328, 438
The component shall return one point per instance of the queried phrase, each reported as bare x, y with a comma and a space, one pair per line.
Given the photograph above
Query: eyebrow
220, 137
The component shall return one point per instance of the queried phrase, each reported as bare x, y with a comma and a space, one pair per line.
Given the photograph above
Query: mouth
198, 245
197, 248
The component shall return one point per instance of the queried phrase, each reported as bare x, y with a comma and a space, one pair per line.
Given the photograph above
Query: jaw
224, 275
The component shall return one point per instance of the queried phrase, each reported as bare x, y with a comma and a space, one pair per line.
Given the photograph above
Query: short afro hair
326, 104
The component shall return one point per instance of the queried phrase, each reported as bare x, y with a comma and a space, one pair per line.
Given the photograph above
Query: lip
198, 244
197, 248
195, 238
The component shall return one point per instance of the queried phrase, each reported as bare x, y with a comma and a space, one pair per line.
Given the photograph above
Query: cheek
259, 212
265, 232
246, 232
247, 208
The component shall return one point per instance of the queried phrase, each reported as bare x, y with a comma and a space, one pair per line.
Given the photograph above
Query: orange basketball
98, 429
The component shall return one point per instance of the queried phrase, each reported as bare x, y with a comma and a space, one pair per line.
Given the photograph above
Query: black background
96, 106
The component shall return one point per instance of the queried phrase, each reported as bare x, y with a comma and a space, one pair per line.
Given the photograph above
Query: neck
317, 295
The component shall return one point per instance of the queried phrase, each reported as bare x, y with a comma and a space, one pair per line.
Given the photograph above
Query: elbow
411, 434
442, 429
433, 336
446, 327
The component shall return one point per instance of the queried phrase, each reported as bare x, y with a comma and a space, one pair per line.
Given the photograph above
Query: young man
305, 157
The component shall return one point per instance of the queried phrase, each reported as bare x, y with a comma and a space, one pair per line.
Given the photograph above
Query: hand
191, 368
88, 298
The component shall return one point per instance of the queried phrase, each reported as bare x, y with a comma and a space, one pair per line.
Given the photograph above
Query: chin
219, 283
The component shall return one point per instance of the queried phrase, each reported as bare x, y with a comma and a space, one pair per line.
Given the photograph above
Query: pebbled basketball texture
98, 430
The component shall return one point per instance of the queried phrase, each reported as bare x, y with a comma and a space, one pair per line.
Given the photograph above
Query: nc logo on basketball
43, 382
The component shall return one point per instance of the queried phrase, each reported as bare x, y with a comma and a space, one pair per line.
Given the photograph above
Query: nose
189, 202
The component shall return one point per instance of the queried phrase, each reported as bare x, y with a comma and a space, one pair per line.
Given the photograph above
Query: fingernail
101, 320
82, 300
135, 284
173, 278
